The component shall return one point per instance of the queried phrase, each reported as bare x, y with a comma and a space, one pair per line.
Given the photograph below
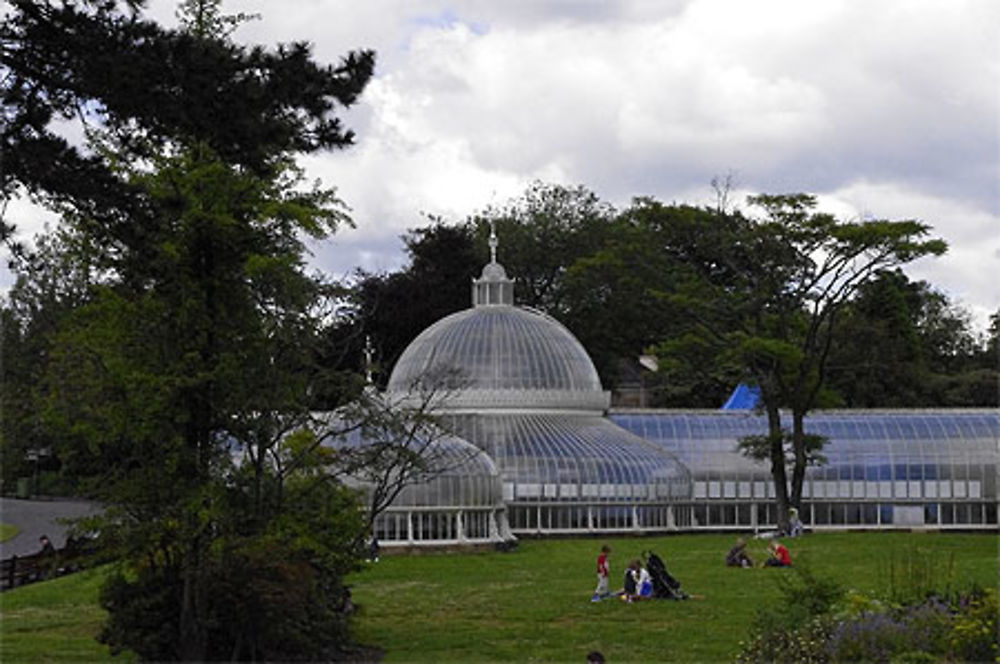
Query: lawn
7, 532
53, 621
534, 604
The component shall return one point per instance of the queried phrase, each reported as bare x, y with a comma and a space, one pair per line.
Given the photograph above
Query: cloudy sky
887, 109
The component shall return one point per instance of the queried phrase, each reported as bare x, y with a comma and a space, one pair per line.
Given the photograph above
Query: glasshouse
517, 385
454, 497
882, 469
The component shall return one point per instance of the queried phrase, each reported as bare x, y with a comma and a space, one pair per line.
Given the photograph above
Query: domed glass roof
456, 472
501, 355
576, 456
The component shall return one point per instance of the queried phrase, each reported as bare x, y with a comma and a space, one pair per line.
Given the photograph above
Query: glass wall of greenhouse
884, 469
455, 499
566, 473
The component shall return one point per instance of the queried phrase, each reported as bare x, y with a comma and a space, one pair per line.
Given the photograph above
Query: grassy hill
534, 604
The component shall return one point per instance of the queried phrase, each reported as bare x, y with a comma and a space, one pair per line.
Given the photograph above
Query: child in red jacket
602, 575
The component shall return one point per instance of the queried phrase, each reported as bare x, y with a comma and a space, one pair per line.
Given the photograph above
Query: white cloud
967, 272
888, 107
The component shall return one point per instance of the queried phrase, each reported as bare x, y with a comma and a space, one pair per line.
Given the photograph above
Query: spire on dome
369, 362
493, 286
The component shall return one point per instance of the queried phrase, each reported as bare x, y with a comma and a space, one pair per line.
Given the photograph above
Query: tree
385, 443
392, 309
766, 298
197, 338
49, 286
151, 88
617, 295
904, 344
542, 233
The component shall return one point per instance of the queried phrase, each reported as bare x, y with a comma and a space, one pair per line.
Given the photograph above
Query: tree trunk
778, 466
799, 465
193, 642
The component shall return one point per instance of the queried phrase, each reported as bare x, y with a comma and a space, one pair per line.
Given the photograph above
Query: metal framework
885, 469
521, 389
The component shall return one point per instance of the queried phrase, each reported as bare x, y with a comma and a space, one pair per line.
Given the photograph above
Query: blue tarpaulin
744, 397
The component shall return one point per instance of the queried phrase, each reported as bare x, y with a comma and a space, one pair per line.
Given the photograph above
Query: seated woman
644, 581
737, 556
795, 527
630, 590
779, 555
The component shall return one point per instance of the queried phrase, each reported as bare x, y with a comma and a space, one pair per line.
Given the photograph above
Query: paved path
35, 518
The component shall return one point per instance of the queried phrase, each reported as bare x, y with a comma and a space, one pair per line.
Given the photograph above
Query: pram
665, 586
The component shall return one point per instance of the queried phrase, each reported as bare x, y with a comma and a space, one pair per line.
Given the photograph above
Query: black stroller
665, 586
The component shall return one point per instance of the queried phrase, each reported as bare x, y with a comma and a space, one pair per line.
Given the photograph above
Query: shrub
882, 636
805, 596
816, 622
798, 629
913, 574
261, 601
245, 589
975, 633
788, 644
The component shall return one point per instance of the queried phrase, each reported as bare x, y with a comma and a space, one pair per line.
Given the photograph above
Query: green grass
534, 604
7, 532
54, 621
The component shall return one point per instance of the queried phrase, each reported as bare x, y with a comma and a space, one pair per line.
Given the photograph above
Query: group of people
778, 555
637, 584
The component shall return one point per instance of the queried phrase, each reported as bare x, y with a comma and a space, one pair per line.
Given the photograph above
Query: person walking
603, 569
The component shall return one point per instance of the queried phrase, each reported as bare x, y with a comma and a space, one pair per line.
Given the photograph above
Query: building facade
517, 385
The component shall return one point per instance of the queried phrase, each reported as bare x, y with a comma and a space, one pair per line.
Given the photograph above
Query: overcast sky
889, 109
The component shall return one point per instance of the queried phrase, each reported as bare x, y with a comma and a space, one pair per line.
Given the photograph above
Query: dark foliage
151, 88
192, 331
392, 309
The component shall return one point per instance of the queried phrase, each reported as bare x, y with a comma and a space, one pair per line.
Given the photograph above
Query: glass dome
500, 356
573, 457
518, 385
456, 472
457, 498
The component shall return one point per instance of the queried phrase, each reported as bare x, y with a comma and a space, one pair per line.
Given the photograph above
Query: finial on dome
493, 286
493, 241
368, 360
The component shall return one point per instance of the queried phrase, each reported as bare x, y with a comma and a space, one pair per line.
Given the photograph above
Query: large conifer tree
194, 338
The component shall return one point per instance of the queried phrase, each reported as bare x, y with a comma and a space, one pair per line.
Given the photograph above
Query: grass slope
533, 604
7, 532
54, 621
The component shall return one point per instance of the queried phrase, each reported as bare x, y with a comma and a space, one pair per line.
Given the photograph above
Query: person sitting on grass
779, 555
644, 582
737, 556
795, 527
630, 588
